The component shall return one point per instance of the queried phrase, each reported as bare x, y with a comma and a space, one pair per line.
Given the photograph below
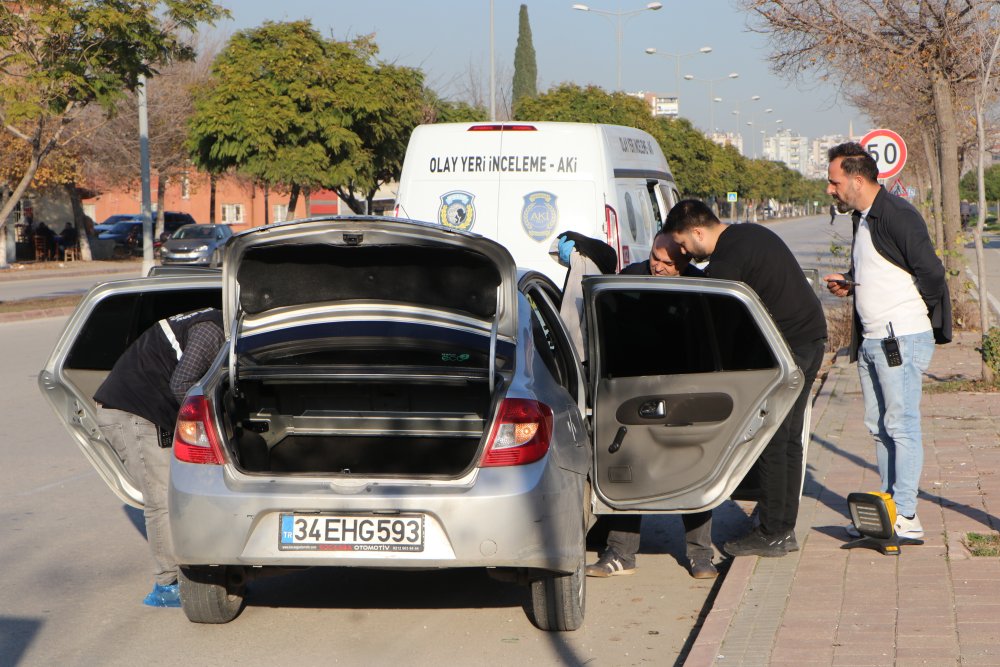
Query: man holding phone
901, 309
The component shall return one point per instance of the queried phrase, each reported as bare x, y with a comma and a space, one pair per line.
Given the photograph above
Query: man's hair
689, 213
856, 160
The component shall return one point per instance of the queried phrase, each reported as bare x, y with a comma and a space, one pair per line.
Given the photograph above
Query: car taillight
521, 433
195, 439
611, 230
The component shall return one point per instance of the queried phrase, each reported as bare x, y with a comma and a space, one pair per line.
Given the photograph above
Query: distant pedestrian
901, 308
755, 255
833, 213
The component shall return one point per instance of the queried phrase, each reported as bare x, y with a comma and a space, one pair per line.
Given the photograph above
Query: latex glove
566, 248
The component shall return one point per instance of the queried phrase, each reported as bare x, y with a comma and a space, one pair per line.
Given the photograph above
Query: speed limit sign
888, 149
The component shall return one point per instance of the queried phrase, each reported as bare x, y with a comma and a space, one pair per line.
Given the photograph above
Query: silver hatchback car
197, 245
397, 395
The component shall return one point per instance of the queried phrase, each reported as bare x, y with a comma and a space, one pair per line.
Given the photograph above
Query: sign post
731, 197
888, 149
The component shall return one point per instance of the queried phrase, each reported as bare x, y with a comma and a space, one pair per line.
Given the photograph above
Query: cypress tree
525, 69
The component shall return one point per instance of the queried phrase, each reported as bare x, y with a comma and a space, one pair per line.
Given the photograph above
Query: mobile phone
891, 345
844, 282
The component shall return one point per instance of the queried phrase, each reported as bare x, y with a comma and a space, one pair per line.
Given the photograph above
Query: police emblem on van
539, 215
457, 210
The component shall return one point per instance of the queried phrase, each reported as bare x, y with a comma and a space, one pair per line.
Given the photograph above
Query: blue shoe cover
163, 596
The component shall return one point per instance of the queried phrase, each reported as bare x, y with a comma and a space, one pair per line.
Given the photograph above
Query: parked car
397, 395
110, 221
128, 237
196, 244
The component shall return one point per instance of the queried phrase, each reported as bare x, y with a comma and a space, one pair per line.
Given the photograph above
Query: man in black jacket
755, 255
901, 309
139, 397
618, 558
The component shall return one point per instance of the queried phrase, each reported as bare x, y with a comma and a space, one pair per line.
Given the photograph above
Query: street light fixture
736, 112
752, 123
619, 14
711, 93
677, 60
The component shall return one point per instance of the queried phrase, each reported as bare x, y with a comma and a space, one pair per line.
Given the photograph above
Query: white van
524, 183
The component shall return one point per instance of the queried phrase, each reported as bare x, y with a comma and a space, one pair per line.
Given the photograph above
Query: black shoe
610, 564
703, 568
756, 543
788, 541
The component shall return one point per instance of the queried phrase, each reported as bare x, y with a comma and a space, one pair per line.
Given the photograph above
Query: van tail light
611, 230
195, 438
521, 433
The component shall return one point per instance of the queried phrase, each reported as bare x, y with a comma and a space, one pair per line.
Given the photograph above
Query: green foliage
525, 68
569, 103
969, 190
290, 107
446, 111
62, 55
991, 349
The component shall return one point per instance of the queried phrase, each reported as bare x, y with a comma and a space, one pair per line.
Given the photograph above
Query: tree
295, 110
113, 143
525, 69
56, 58
908, 48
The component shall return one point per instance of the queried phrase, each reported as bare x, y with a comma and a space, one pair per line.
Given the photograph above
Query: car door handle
616, 444
653, 409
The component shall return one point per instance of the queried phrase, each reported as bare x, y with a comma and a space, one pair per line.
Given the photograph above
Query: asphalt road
75, 569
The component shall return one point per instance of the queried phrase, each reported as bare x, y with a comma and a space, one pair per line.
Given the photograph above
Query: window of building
185, 187
280, 212
232, 214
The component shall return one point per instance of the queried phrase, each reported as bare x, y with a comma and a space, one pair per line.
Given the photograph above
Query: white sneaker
910, 528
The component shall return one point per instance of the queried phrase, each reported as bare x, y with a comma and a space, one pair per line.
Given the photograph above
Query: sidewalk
933, 604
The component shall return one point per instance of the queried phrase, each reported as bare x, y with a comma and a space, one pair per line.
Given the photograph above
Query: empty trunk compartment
400, 426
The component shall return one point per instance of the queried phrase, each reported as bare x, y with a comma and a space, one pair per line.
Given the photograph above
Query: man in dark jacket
901, 309
142, 395
755, 255
618, 558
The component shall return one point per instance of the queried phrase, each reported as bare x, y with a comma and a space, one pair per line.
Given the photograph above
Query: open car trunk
364, 347
381, 426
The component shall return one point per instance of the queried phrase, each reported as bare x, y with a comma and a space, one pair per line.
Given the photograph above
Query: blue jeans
892, 413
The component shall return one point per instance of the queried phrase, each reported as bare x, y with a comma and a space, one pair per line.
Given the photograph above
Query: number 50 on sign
888, 149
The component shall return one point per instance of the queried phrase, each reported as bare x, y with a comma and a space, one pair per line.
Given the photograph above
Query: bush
991, 349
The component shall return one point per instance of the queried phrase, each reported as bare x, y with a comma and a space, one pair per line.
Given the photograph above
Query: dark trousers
780, 464
623, 535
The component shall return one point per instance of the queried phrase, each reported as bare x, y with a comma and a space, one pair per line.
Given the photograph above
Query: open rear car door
109, 318
689, 380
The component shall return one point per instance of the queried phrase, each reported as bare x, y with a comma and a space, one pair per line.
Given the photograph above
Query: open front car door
689, 379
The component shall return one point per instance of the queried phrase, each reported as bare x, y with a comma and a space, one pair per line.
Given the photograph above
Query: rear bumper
524, 516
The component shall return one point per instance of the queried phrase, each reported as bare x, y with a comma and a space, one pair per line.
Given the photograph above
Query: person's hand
566, 248
837, 284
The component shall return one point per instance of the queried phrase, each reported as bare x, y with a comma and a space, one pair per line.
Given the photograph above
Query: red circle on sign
888, 149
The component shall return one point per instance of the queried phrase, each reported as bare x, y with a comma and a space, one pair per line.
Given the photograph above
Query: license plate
351, 532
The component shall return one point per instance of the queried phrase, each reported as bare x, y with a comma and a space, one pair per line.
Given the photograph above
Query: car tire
212, 594
558, 600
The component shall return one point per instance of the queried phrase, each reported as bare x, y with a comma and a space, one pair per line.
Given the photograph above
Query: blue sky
450, 38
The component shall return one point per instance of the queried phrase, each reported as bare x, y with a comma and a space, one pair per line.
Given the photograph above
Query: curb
25, 315
707, 645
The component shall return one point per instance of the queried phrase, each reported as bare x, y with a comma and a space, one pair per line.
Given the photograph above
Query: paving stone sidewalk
933, 604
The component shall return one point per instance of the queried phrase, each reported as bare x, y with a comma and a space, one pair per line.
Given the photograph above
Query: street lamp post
736, 112
711, 93
752, 123
677, 60
619, 14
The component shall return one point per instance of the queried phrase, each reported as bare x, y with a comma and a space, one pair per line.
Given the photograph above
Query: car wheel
212, 594
558, 600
